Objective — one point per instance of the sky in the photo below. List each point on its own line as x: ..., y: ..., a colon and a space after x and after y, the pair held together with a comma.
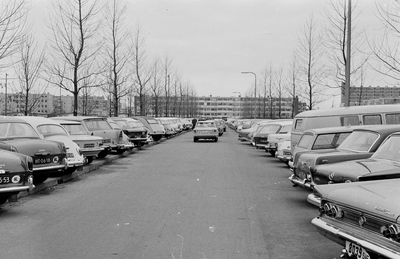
x: 211, y: 42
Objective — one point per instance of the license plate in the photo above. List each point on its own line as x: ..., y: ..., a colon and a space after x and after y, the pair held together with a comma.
x: 42, y: 160
x: 4, y: 180
x: 356, y: 250
x: 263, y: 141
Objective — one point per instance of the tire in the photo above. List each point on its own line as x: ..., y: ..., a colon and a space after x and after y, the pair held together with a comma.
x: 195, y: 139
x: 3, y: 199
x: 120, y: 151
x: 216, y: 139
x: 157, y: 137
x: 272, y: 153
x: 102, y: 154
x: 89, y: 159
x: 38, y: 179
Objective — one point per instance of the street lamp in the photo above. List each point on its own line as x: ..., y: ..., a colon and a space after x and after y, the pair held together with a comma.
x: 255, y: 88
x: 240, y: 110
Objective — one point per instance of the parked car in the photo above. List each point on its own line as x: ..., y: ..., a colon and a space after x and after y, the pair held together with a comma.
x: 383, y: 164
x: 220, y: 126
x: 49, y: 157
x: 99, y: 126
x: 170, y: 126
x: 319, y: 140
x: 52, y: 130
x: 362, y: 217
x: 15, y: 174
x: 128, y: 145
x: 248, y: 127
x: 134, y: 129
x: 361, y: 143
x: 272, y: 127
x: 205, y: 130
x: 90, y: 145
x: 276, y: 138
x: 154, y: 128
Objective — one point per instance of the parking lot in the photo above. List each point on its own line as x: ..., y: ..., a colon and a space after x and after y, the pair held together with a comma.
x: 173, y: 199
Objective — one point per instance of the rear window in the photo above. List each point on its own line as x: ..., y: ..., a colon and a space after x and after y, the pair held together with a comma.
x: 97, y: 125
x: 372, y: 119
x: 361, y: 141
x: 305, y: 141
x: 327, y: 141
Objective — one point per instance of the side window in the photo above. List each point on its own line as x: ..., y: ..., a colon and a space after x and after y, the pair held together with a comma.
x: 372, y: 119
x: 393, y: 118
x: 349, y: 120
x: 298, y: 124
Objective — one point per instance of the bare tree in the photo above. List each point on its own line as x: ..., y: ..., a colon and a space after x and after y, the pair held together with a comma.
x: 279, y: 87
x: 74, y: 28
x: 335, y: 41
x: 155, y: 86
x: 28, y: 70
x: 386, y: 50
x: 13, y: 14
x: 115, y: 47
x: 141, y: 73
x: 293, y: 84
x: 310, y: 56
x: 167, y: 84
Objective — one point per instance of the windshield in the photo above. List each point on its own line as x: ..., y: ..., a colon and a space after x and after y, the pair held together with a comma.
x: 75, y: 129
x: 270, y: 128
x: 360, y: 141
x: 51, y: 129
x: 389, y: 150
x: 17, y: 130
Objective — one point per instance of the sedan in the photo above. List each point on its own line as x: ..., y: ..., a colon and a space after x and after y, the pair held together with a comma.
x: 362, y: 217
x: 361, y: 143
x: 134, y: 129
x: 15, y: 174
x: 205, y: 130
x: 49, y: 157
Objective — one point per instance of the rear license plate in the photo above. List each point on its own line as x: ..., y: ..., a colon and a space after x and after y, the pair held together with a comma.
x: 46, y: 160
x: 4, y: 180
x: 356, y: 250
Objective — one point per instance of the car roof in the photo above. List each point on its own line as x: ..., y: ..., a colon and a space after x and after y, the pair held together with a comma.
x: 11, y: 119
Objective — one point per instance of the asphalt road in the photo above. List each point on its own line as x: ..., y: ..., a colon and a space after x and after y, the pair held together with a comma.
x: 177, y: 199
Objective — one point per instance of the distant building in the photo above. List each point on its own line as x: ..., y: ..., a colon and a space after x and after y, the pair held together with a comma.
x: 369, y: 95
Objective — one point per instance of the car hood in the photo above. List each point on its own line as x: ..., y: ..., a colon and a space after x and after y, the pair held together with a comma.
x: 31, y: 146
x: 353, y: 169
x: 373, y: 196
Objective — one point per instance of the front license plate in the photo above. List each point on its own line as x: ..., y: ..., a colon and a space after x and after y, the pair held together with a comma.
x: 356, y: 251
x: 42, y: 160
x: 4, y: 180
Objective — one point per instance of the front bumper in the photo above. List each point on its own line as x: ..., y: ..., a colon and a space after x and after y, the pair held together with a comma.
x: 372, y: 242
x: 284, y: 158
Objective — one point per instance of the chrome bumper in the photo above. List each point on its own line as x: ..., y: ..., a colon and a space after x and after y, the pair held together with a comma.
x: 301, y: 182
x: 314, y: 200
x: 340, y: 236
x: 28, y: 187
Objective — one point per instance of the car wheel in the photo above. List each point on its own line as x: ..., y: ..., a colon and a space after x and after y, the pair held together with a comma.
x: 38, y: 179
x: 89, y: 159
x: 156, y: 138
x: 120, y: 151
x: 216, y: 139
x: 102, y: 154
x: 272, y: 153
x: 194, y: 139
x: 3, y: 199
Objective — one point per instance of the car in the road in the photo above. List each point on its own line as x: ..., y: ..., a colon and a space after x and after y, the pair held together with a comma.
x: 154, y: 128
x: 53, y: 130
x: 361, y: 143
x: 99, y: 126
x: 15, y: 174
x: 272, y: 127
x: 90, y: 145
x: 205, y: 130
x: 49, y: 157
x: 134, y: 129
x: 383, y: 164
x: 362, y: 217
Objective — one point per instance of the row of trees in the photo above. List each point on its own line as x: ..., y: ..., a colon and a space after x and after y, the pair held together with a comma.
x: 317, y: 68
x: 90, y: 50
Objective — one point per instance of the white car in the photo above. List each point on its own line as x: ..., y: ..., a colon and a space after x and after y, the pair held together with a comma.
x: 205, y: 130
x: 52, y: 130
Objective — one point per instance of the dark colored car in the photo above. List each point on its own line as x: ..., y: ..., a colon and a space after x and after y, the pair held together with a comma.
x: 49, y: 157
x: 154, y: 128
x: 15, y: 174
x: 383, y: 164
x: 362, y: 217
x: 361, y: 143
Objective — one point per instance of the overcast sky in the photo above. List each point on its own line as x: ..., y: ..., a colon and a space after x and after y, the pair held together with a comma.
x: 211, y: 41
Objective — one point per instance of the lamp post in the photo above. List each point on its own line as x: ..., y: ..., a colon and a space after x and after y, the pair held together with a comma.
x: 255, y: 89
x: 240, y: 110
